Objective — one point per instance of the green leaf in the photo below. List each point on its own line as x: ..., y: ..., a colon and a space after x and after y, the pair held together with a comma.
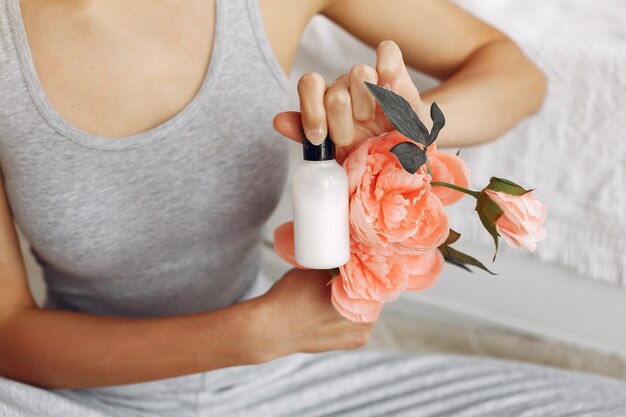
x: 457, y: 263
x: 439, y: 122
x: 506, y: 186
x: 453, y: 236
x: 411, y: 156
x: 458, y: 257
x: 489, y: 213
x: 400, y: 113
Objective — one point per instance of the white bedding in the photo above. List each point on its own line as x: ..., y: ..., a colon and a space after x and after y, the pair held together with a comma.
x: 574, y: 151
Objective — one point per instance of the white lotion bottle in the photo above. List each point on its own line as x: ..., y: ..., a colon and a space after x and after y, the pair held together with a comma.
x: 320, y: 208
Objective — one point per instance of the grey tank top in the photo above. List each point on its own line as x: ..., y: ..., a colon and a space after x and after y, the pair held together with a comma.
x: 168, y: 221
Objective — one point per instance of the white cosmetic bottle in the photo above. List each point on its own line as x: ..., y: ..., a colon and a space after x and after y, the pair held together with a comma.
x: 320, y: 208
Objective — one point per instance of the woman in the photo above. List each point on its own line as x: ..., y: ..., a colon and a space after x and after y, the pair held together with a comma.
x: 137, y: 157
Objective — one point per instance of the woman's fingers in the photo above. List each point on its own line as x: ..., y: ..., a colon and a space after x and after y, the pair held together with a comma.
x: 393, y: 74
x: 338, y: 105
x: 389, y: 64
x: 323, y: 108
x: 344, y: 106
x: 363, y: 103
x: 289, y: 124
x: 311, y: 89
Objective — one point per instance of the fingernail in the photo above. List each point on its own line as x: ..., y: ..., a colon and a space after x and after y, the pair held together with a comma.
x: 386, y: 85
x: 316, y: 136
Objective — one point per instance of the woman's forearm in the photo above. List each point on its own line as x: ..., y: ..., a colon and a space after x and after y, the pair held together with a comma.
x: 59, y: 349
x: 492, y: 91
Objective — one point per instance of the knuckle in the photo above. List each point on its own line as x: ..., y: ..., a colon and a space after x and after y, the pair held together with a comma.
x: 310, y: 80
x: 362, y: 71
x: 387, y: 69
x: 337, y: 100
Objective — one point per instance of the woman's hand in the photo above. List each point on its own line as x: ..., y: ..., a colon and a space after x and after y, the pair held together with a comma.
x: 296, y: 315
x: 345, y: 108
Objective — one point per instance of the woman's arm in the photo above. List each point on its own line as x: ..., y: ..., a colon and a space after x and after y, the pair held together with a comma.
x: 58, y: 349
x: 61, y: 349
x: 488, y: 85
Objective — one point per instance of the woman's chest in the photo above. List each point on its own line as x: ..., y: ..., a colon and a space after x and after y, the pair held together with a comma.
x: 210, y: 174
x: 212, y: 182
x: 118, y: 68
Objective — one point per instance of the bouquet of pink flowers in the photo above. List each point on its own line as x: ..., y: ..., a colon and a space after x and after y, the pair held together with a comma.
x: 400, y: 237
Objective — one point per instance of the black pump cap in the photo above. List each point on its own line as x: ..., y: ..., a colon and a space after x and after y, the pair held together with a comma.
x: 323, y: 152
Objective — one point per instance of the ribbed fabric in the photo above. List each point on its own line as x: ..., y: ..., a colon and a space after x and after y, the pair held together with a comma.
x: 168, y: 221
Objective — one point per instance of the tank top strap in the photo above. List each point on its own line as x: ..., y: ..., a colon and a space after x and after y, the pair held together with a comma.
x: 245, y: 38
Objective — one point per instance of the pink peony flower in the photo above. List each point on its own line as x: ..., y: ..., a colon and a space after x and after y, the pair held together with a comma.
x: 374, y: 273
x: 521, y: 224
x: 372, y: 276
x: 390, y: 207
x: 448, y: 168
x: 423, y: 270
x: 444, y: 167
x: 355, y: 309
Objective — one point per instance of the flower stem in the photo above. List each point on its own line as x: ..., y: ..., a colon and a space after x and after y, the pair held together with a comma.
x: 455, y: 187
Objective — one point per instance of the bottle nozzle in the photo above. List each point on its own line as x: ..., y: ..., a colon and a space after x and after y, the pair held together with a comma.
x: 323, y: 152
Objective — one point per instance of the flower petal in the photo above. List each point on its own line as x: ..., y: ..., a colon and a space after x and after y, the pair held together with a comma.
x: 358, y: 310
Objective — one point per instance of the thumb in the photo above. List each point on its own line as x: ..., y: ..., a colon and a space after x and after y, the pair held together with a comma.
x: 289, y: 124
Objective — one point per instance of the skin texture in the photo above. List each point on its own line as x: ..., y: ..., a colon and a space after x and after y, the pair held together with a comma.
x: 488, y: 85
x: 90, y: 73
